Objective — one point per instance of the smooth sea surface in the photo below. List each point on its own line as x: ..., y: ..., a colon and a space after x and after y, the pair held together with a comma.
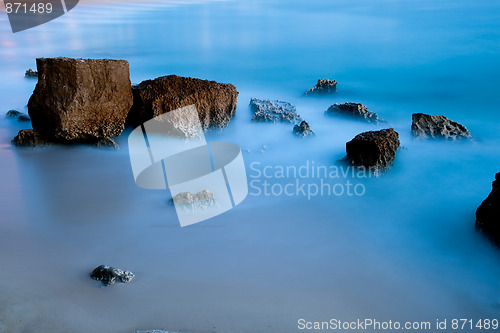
x: 404, y: 250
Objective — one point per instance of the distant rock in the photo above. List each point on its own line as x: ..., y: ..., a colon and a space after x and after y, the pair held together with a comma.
x: 375, y: 149
x: 215, y: 102
x: 273, y: 111
x: 31, y: 73
x: 488, y: 214
x: 31, y: 138
x: 190, y: 201
x: 14, y: 114
x: 324, y: 86
x: 109, y: 275
x: 303, y: 129
x: 80, y: 100
x: 426, y: 126
x: 353, y: 110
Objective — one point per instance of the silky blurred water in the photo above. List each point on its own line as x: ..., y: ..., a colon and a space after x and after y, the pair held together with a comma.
x: 405, y: 250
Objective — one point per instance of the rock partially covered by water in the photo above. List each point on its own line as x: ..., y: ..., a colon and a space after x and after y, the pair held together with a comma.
x: 190, y: 201
x: 375, y: 149
x: 440, y: 127
x: 273, y: 111
x: 353, y: 110
x: 14, y: 114
x: 80, y: 100
x: 324, y: 86
x: 30, y: 138
x: 31, y: 73
x: 215, y: 102
x: 109, y: 275
x: 488, y: 214
x: 303, y: 129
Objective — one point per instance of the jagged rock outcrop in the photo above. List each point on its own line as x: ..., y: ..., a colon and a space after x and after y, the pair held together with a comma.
x: 376, y: 149
x: 80, y: 100
x: 215, y: 102
x: 427, y: 126
x: 303, y: 129
x: 353, y: 110
x: 109, y: 275
x: 273, y: 111
x: 324, y: 86
x: 488, y: 214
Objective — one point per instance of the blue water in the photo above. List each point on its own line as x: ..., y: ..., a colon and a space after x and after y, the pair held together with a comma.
x: 404, y: 250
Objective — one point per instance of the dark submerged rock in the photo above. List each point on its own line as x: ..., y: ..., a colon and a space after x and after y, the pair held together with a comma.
x: 273, y: 111
x: 427, y: 126
x: 354, y: 110
x: 376, y: 149
x: 31, y: 73
x: 109, y: 275
x: 488, y: 213
x: 31, y: 138
x: 324, y: 86
x: 80, y: 100
x: 303, y: 129
x: 215, y: 102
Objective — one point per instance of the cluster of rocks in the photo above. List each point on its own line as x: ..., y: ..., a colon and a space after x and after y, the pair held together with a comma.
x: 109, y: 275
x: 91, y: 101
x: 353, y: 110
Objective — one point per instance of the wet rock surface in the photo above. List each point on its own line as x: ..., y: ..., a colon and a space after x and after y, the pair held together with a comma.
x: 353, y: 110
x: 488, y: 213
x: 109, y: 275
x: 265, y: 110
x: 80, y: 100
x: 376, y: 149
x: 440, y: 127
x: 193, y: 201
x: 303, y: 129
x: 215, y: 102
x: 323, y: 87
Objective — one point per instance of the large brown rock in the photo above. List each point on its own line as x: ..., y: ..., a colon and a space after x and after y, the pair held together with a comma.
x: 80, y: 100
x: 488, y: 214
x: 215, y: 102
x: 375, y: 149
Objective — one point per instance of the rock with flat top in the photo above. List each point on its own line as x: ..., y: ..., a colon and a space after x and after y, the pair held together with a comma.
x: 215, y: 102
x: 440, y: 127
x: 376, y: 149
x: 488, y: 214
x: 353, y: 110
x: 323, y: 87
x: 81, y: 100
x: 265, y: 110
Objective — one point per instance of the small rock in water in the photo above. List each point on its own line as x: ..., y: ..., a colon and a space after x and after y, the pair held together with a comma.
x: 303, y: 129
x: 273, y: 111
x: 108, y: 275
x: 30, y: 138
x: 190, y: 201
x: 488, y: 214
x: 13, y: 114
x: 425, y: 126
x: 354, y: 110
x: 31, y: 73
x: 324, y: 86
x: 375, y: 149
